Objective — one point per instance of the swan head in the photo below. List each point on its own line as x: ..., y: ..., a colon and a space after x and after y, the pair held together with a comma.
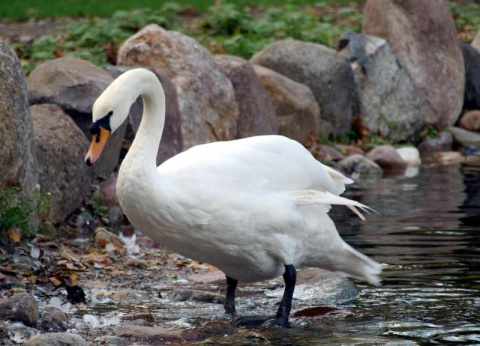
x: 109, y: 112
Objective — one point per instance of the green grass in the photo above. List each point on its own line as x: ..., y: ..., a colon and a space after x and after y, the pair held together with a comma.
x: 27, y: 9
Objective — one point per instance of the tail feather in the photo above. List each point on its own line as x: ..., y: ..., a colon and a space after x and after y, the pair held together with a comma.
x: 306, y: 197
x: 359, y: 266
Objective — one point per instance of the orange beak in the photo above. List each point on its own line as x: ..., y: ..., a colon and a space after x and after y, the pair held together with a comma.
x: 99, y: 141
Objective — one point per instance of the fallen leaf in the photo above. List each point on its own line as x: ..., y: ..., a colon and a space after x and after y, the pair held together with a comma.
x: 15, y: 234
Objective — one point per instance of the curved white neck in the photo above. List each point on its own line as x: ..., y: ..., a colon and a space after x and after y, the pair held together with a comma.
x: 143, y: 151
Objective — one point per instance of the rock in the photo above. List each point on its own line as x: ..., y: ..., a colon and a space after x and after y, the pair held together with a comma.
x: 443, y: 142
x: 422, y: 35
x: 103, y: 237
x: 470, y: 121
x: 60, y: 148
x: 387, y: 157
x: 53, y: 319
x: 476, y: 41
x: 138, y: 319
x: 410, y: 155
x: 158, y: 335
x: 449, y: 157
x: 297, y: 110
x: 17, y: 152
x: 206, y: 98
x: 389, y: 101
x: 172, y: 141
x: 256, y: 112
x: 465, y: 137
x: 361, y: 165
x: 326, y: 153
x: 18, y: 332
x: 21, y: 307
x: 107, y: 193
x: 56, y: 339
x: 327, y: 74
x: 74, y: 85
x: 115, y: 216
x: 471, y: 58
x: 349, y: 149
x: 182, y: 295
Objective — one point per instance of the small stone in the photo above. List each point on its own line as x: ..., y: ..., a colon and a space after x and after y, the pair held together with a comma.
x: 103, y: 237
x: 53, y: 319
x: 470, y: 121
x: 107, y: 195
x: 387, y: 157
x: 359, y: 164
x: 115, y: 216
x: 410, y: 155
x: 465, y: 137
x: 56, y: 339
x: 437, y: 144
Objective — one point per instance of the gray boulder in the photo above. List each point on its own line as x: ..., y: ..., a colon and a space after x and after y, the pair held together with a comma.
x: 172, y: 141
x: 327, y: 74
x: 206, y: 98
x: 256, y: 112
x: 471, y: 58
x: 476, y: 41
x: 297, y: 110
x: 74, y: 85
x: 422, y: 35
x: 389, y: 102
x: 17, y: 160
x: 60, y: 148
x: 21, y: 307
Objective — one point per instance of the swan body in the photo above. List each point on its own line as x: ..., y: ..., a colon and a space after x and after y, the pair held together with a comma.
x: 255, y: 208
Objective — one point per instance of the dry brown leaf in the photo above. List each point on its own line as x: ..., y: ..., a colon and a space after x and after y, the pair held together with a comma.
x: 55, y: 281
x: 15, y: 234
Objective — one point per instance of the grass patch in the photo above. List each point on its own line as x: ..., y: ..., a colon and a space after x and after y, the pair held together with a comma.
x: 29, y: 9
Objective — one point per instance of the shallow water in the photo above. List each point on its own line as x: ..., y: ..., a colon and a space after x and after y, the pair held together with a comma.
x: 428, y: 234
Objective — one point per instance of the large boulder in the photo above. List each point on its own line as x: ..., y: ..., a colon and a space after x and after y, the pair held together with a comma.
x: 206, y: 98
x: 256, y: 112
x: 297, y: 110
x: 476, y: 41
x: 422, y: 35
x: 388, y: 100
x: 327, y: 74
x: 60, y: 148
x: 172, y: 142
x: 74, y: 85
x: 471, y: 58
x: 17, y: 149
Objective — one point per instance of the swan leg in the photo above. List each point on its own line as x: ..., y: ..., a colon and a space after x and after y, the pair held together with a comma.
x: 290, y: 278
x: 230, y: 298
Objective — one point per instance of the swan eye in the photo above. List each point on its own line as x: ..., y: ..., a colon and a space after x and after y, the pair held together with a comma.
x: 103, y: 122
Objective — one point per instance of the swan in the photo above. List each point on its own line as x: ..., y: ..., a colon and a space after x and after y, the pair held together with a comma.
x: 256, y: 208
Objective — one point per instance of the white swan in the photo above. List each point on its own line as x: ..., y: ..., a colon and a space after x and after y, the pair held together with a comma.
x: 255, y: 208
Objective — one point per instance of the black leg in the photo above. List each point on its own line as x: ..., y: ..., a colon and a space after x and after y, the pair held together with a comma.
x: 290, y: 278
x: 230, y: 298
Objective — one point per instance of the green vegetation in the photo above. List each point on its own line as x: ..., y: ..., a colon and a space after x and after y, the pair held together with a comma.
x: 16, y: 209
x: 28, y: 9
x: 226, y: 27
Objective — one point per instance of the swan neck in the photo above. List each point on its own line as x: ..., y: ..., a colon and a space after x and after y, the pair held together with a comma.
x: 145, y: 146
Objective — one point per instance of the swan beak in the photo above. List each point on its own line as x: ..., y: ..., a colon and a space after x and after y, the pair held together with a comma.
x: 98, y: 144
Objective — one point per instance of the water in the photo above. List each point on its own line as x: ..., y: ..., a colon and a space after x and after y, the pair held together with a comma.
x: 428, y: 234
